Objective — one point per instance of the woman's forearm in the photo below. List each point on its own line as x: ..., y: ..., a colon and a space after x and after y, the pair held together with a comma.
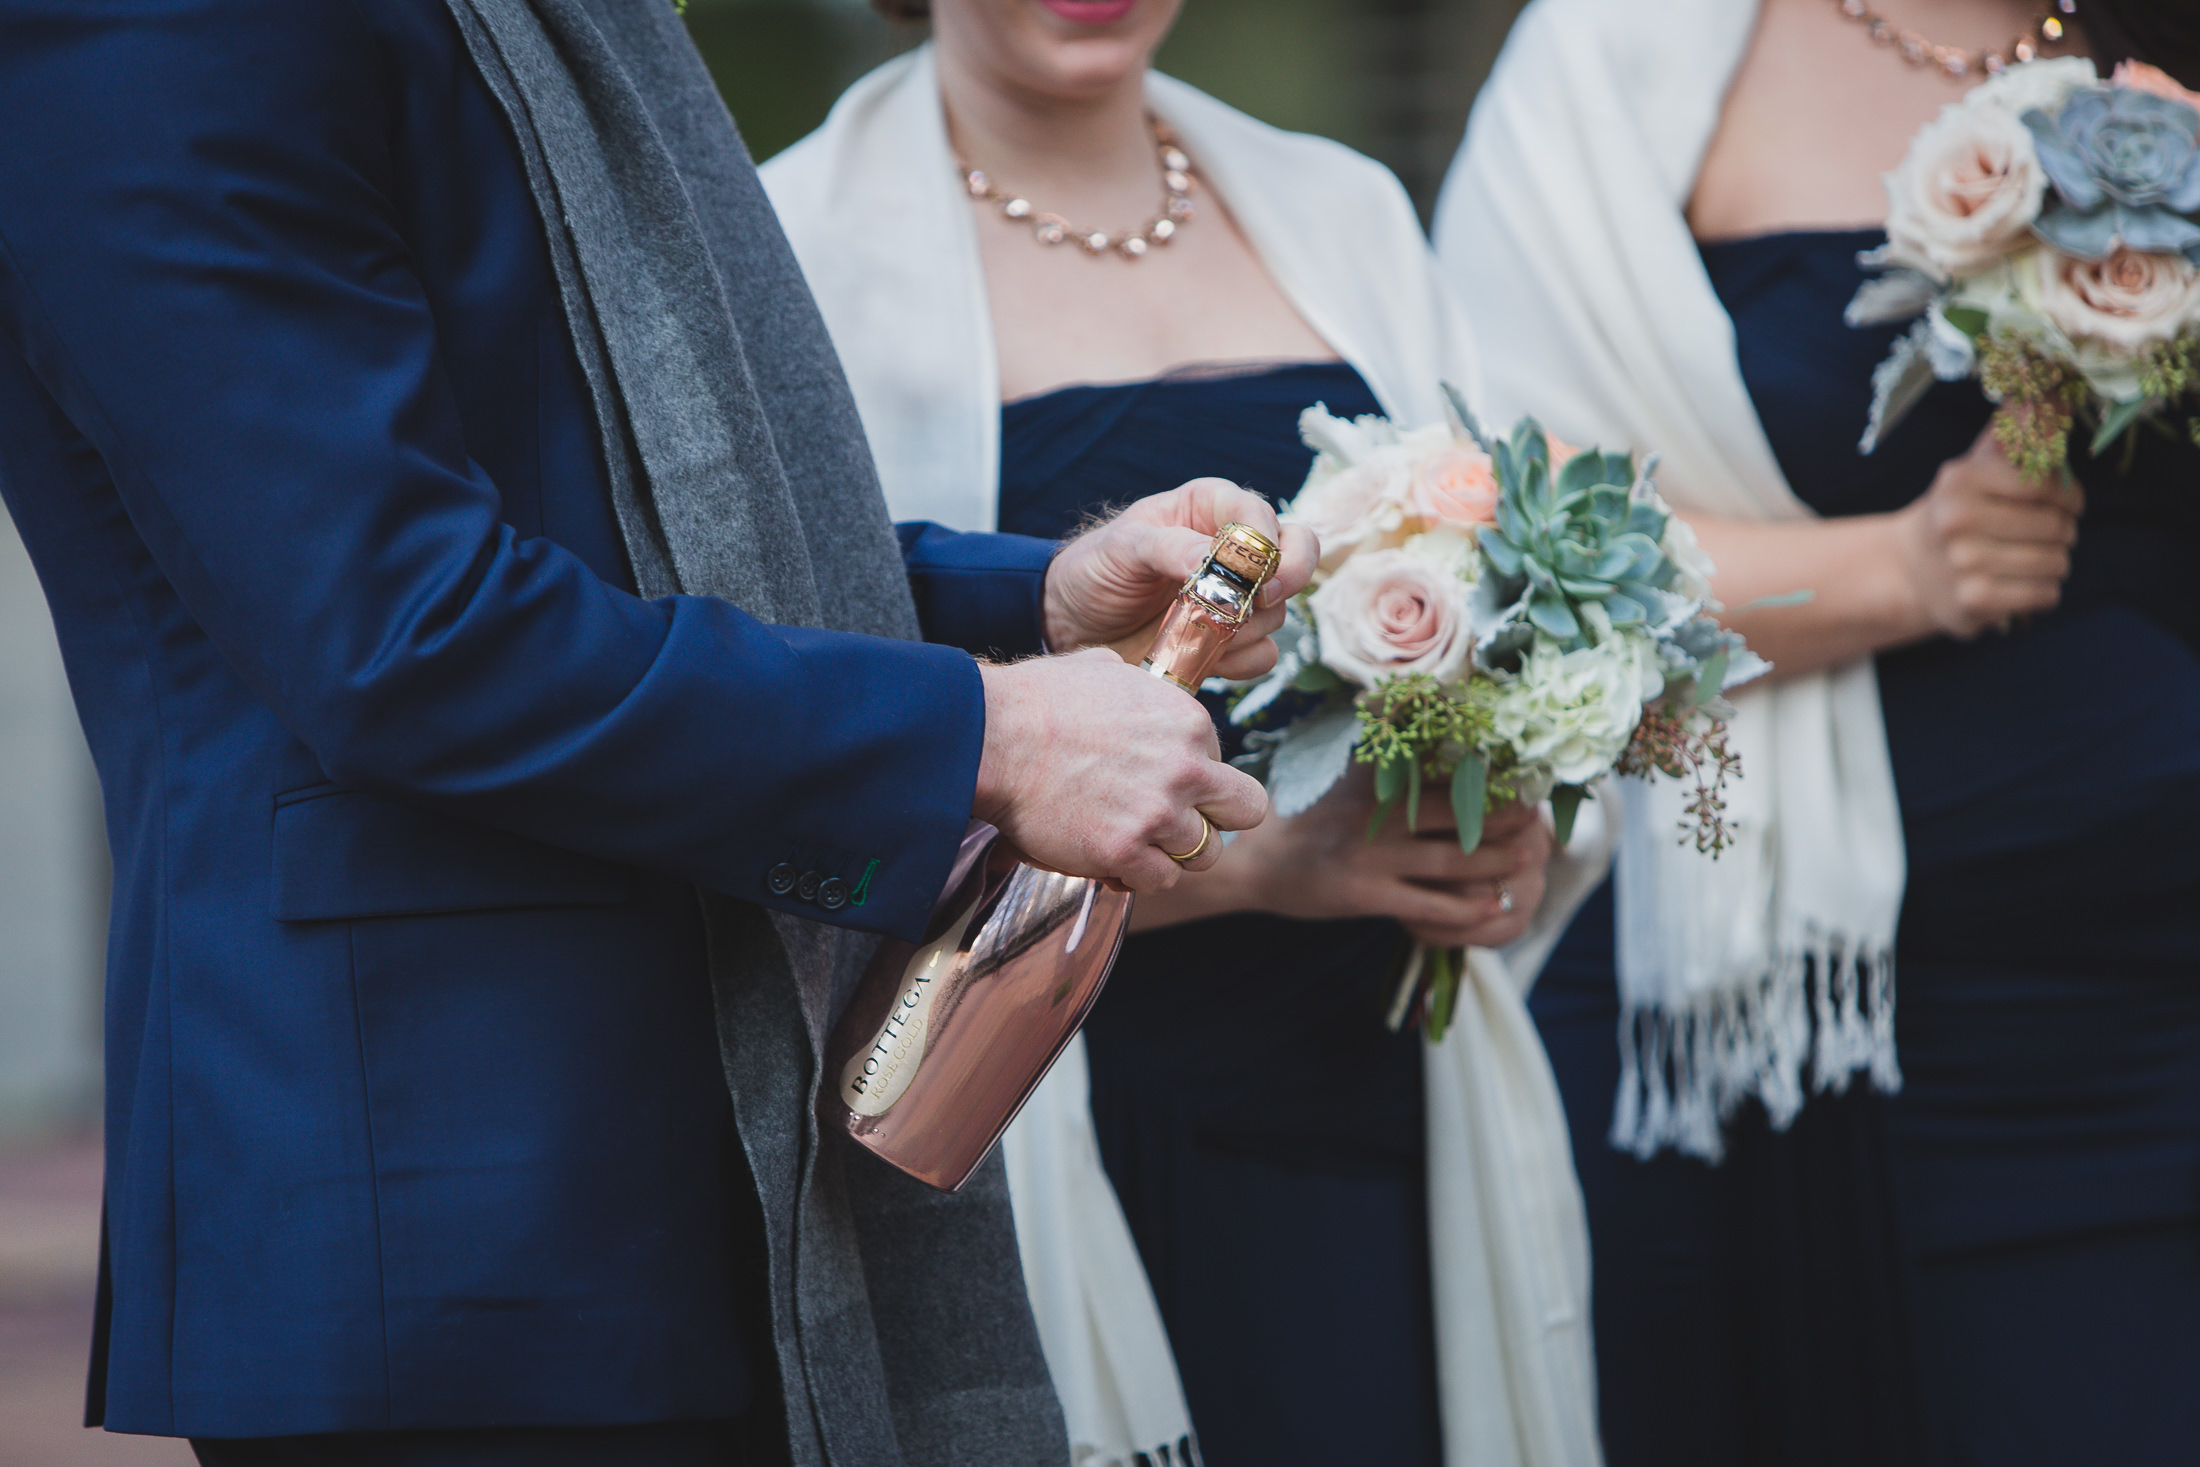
x: 1220, y: 889
x: 1862, y: 596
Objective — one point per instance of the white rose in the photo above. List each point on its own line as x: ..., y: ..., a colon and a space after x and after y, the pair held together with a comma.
x: 1450, y: 546
x: 1965, y: 194
x: 1389, y: 612
x: 2042, y: 84
x: 1353, y: 508
x: 1573, y: 712
x: 2122, y: 305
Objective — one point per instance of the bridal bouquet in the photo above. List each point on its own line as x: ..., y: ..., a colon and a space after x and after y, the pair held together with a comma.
x: 2044, y: 233
x: 1511, y: 618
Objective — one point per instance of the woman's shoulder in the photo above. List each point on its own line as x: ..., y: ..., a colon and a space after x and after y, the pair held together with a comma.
x: 1227, y: 139
x: 879, y: 117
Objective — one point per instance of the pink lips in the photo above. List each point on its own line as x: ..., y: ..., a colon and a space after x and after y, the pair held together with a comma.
x: 1091, y: 12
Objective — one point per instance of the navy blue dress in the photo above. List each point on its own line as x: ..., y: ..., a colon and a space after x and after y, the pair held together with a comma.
x: 2000, y: 1265
x: 1262, y: 1127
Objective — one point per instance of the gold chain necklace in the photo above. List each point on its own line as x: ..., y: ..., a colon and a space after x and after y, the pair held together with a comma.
x: 1131, y: 244
x: 1954, y: 60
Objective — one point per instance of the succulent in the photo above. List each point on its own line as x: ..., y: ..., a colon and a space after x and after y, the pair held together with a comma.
x: 1580, y: 536
x: 2126, y: 169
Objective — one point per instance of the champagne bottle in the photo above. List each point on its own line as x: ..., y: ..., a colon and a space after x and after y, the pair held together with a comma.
x: 946, y: 1038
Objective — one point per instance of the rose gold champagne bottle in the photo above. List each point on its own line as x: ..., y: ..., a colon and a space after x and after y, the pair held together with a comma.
x: 946, y: 1039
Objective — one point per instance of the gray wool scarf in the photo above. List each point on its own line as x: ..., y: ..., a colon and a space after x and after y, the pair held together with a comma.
x: 738, y: 469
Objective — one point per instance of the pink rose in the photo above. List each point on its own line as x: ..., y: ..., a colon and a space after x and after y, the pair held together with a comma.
x: 1387, y: 612
x: 1966, y: 194
x: 2141, y: 77
x: 2128, y: 302
x: 1453, y: 485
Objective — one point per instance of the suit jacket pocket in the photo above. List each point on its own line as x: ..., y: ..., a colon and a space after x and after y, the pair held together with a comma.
x: 342, y: 854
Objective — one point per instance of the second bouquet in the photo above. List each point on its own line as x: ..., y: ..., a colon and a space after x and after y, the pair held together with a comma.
x: 1494, y: 620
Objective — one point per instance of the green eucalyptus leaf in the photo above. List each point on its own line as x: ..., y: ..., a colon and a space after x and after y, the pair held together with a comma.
x: 2116, y: 422
x: 1565, y: 805
x: 1712, y: 676
x: 1316, y: 678
x: 1390, y: 779
x: 1413, y: 795
x: 1443, y: 991
x: 1969, y: 320
x: 1382, y: 813
x: 1470, y: 791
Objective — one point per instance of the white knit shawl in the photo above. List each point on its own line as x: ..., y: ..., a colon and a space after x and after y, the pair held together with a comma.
x: 873, y: 204
x: 1562, y: 227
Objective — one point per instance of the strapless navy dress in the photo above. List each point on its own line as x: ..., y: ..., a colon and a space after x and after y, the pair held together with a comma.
x: 1261, y: 1126
x: 2000, y: 1265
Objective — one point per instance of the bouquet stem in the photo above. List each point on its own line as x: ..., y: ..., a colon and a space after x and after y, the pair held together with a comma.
x: 1428, y: 990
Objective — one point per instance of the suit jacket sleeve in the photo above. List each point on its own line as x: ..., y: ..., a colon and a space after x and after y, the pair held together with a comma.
x: 984, y: 593
x: 202, y: 259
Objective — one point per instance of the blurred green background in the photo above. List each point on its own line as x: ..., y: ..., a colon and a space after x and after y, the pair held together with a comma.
x: 1392, y: 78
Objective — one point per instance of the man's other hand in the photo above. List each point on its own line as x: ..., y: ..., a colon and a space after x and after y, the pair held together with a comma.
x: 1093, y: 767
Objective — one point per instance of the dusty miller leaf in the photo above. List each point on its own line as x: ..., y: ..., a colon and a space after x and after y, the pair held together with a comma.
x: 1897, y: 383
x: 1312, y: 759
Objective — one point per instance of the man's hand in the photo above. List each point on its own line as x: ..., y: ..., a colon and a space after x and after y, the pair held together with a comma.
x: 1095, y: 768
x: 1110, y: 585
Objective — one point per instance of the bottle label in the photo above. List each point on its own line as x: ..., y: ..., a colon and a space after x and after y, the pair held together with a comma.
x: 880, y: 1074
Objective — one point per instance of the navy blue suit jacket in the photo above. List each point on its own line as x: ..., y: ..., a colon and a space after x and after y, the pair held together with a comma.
x: 414, y: 1113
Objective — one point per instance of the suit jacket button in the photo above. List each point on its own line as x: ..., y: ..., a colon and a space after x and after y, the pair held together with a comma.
x: 806, y: 888
x: 832, y: 894
x: 780, y: 879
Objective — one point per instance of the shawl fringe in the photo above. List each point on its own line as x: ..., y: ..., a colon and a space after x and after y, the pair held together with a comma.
x: 1824, y: 1015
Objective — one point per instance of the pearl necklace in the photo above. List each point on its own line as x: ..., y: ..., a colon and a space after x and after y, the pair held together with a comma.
x: 1131, y: 244
x: 1954, y: 60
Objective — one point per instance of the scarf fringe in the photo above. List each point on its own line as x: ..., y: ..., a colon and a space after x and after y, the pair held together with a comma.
x: 1824, y: 1015
x: 1183, y: 1452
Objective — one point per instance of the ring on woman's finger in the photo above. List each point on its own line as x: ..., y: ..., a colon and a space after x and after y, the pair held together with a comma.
x: 1206, y: 834
x: 1504, y: 899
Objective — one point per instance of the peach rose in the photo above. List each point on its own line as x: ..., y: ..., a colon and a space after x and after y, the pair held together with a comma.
x: 2128, y: 302
x: 1388, y: 612
x: 1454, y: 485
x: 1966, y: 194
x: 2141, y: 77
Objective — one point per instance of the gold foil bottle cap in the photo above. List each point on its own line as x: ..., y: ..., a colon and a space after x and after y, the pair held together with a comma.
x: 1246, y: 552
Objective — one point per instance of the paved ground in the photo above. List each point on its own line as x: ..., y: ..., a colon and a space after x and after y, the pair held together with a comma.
x: 49, y: 1242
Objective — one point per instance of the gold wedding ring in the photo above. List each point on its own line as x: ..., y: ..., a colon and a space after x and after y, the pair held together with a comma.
x: 1206, y: 834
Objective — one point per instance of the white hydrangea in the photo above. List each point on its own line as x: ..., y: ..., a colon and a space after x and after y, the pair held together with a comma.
x: 1573, y: 712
